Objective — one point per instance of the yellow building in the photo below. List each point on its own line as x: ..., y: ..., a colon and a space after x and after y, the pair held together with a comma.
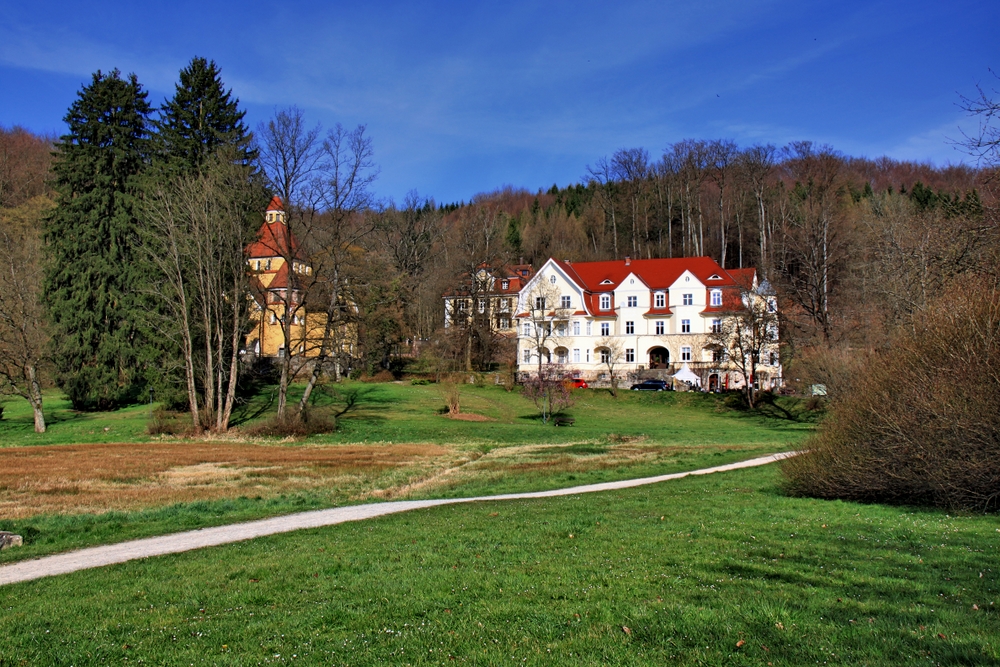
x: 282, y: 275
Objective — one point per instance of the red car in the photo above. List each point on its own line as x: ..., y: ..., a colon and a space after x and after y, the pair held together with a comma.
x: 579, y: 383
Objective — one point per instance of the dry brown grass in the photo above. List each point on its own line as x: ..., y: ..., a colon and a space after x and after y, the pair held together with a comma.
x: 100, y: 477
x: 469, y: 417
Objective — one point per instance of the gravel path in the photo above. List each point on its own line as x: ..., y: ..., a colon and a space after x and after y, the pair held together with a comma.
x: 209, y: 537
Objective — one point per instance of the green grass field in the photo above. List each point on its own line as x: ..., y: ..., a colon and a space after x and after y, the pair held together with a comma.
x: 397, y: 412
x: 636, y: 435
x: 718, y: 570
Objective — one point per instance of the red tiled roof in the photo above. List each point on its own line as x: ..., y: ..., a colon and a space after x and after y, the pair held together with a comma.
x: 657, y: 274
x: 274, y: 239
x: 276, y: 204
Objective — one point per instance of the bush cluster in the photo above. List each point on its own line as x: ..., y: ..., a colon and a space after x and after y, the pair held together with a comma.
x: 312, y: 422
x: 920, y: 422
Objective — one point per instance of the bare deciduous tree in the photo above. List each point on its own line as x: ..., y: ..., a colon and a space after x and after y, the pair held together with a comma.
x: 22, y: 323
x: 347, y: 172
x: 197, y: 229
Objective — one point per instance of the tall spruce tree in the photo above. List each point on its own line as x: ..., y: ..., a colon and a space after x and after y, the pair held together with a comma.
x: 201, y: 117
x: 90, y: 237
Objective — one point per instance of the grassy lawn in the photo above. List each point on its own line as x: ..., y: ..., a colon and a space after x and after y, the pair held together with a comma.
x: 397, y: 412
x: 61, y: 495
x: 710, y: 570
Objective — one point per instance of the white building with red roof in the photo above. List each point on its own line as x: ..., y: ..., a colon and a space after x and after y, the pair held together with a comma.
x: 655, y: 316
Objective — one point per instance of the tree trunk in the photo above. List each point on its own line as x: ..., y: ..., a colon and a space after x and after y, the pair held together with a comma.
x: 35, y: 398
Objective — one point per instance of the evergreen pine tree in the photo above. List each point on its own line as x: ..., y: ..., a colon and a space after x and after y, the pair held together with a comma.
x: 201, y: 117
x: 90, y: 240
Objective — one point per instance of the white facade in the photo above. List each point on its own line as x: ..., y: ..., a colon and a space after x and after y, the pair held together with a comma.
x: 648, y: 314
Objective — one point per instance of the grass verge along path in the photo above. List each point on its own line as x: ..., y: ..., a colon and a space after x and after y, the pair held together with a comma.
x: 706, y: 570
x: 210, y: 537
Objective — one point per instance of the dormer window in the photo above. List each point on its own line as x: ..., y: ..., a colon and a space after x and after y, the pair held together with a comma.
x: 716, y: 297
x: 715, y: 276
x: 605, y: 302
x: 659, y: 300
x: 267, y: 267
x: 607, y: 281
x: 504, y: 284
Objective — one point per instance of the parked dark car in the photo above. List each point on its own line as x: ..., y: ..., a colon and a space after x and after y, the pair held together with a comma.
x: 651, y: 385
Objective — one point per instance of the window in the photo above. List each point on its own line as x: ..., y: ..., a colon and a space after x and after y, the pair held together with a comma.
x: 605, y: 355
x: 605, y: 328
x: 561, y: 329
x: 685, y: 353
x: 539, y: 303
x: 716, y: 297
x: 527, y: 328
x: 281, y: 351
x: 633, y: 301
x: 552, y: 280
x: 561, y: 355
x: 576, y: 329
x: 659, y: 327
x: 772, y: 305
x: 527, y: 356
x: 588, y: 328
x: 605, y: 302
x: 718, y: 355
x: 716, y: 326
x: 267, y: 267
x: 461, y: 305
x: 688, y: 299
x: 505, y: 305
x: 274, y: 318
x: 258, y: 265
x: 630, y: 327
x: 482, y: 305
x: 660, y: 300
x: 504, y: 284
x: 503, y: 323
x: 685, y: 326
x: 576, y: 354
x: 629, y: 355
x: 565, y: 302
x: 588, y: 355
x: 774, y: 358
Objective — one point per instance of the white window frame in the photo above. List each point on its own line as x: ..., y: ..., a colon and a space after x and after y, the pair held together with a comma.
x: 630, y: 328
x: 605, y: 302
x: 576, y: 355
x: 687, y: 299
x: 589, y: 323
x: 576, y: 328
x: 686, y: 353
x: 566, y: 302
x: 605, y: 328
x: 660, y: 300
x: 685, y: 326
x: 632, y: 301
x: 629, y: 355
x: 717, y: 325
x: 527, y: 356
x: 660, y: 328
x: 716, y: 297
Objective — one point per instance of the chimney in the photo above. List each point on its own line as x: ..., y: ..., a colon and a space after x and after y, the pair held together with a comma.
x: 628, y: 260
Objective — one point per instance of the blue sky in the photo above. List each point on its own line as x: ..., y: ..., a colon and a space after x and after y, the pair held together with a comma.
x: 462, y: 98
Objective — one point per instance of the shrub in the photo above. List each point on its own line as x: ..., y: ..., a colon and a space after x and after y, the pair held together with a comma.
x: 312, y: 422
x: 919, y: 424
x: 165, y: 422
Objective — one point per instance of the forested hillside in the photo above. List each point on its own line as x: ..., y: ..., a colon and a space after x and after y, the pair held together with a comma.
x: 854, y: 247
